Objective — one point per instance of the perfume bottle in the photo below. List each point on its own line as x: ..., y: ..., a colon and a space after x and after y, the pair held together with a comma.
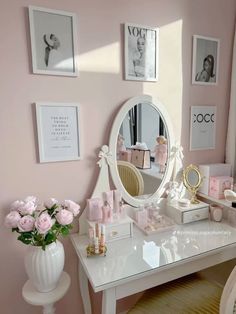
x: 106, y: 213
x: 141, y: 217
x: 122, y: 211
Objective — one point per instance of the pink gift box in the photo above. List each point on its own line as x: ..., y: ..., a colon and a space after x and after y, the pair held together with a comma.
x: 218, y: 185
x: 125, y: 155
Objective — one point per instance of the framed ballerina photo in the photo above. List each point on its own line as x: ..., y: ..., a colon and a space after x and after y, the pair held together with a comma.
x: 53, y: 41
x: 141, y: 52
x: 205, y: 66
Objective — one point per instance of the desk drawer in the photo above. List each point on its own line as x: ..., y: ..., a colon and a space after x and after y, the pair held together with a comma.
x: 119, y: 229
x: 194, y: 215
x: 193, y: 212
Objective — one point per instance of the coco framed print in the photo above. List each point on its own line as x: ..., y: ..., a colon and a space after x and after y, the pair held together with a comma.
x: 203, y: 127
x: 53, y: 41
x: 58, y: 131
x: 205, y: 66
x: 141, y: 52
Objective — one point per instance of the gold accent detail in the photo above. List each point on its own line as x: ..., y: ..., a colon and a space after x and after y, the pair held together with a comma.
x: 192, y: 180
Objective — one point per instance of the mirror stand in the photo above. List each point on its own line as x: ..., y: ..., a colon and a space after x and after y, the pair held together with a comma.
x: 192, y: 180
x: 103, y: 181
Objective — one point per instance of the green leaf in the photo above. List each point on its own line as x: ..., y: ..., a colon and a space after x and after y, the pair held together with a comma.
x: 27, y: 235
x: 50, y: 237
x: 24, y: 240
x: 65, y: 230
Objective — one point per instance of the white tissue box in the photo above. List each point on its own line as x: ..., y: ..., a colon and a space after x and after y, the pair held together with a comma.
x: 212, y: 170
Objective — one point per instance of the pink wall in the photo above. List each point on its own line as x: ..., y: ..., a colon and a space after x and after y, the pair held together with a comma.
x: 100, y: 94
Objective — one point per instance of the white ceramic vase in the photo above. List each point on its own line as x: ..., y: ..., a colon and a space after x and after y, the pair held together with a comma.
x: 44, y: 268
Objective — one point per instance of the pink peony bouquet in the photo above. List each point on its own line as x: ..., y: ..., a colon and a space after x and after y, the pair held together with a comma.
x: 41, y: 225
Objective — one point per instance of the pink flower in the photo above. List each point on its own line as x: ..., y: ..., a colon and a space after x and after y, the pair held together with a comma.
x: 30, y: 199
x: 72, y: 207
x: 43, y: 223
x: 16, y: 205
x: 64, y: 217
x: 12, y: 219
x: 50, y: 202
x: 26, y: 223
x: 27, y: 208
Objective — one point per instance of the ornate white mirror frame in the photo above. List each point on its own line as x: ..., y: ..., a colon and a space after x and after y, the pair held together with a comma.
x: 143, y: 99
x: 107, y: 158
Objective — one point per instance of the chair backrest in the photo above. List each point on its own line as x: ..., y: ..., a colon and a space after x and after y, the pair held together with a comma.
x: 227, y: 301
x: 131, y: 178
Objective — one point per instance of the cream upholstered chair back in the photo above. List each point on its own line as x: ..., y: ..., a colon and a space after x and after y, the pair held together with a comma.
x: 131, y: 178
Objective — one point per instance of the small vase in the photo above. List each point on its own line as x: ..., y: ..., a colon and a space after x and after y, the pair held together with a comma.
x: 44, y: 268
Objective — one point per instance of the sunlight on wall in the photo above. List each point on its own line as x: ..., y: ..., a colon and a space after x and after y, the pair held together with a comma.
x: 169, y: 87
x: 105, y: 59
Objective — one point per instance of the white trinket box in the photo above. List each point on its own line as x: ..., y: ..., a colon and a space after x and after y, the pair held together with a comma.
x: 190, y: 213
x: 118, y: 229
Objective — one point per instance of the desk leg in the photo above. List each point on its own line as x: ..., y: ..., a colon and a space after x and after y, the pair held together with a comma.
x: 109, y: 301
x: 84, y: 289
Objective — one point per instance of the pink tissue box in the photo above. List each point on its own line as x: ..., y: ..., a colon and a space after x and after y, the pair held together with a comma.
x: 218, y: 185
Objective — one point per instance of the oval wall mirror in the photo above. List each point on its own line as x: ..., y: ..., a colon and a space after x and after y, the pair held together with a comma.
x: 140, y: 142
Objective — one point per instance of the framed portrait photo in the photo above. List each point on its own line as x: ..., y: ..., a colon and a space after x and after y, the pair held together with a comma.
x: 205, y: 63
x: 141, y: 52
x: 203, y: 127
x: 53, y: 41
x: 58, y: 131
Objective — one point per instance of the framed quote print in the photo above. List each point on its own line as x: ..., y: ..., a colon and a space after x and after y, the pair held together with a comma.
x: 203, y: 127
x: 141, y: 52
x: 53, y: 41
x: 58, y: 130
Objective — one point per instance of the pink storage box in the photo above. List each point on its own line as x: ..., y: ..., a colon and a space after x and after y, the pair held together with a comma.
x: 212, y: 170
x: 218, y: 185
x: 125, y: 155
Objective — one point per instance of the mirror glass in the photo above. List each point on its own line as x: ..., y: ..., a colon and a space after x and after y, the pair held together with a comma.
x: 193, y: 177
x: 140, y: 143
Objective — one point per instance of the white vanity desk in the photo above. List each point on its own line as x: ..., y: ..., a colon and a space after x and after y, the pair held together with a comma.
x: 135, y: 264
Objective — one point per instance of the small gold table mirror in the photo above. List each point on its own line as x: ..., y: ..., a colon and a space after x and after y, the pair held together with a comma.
x: 192, y: 180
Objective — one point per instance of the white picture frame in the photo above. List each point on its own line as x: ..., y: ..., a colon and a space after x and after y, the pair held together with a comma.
x: 53, y: 35
x: 202, y: 127
x: 141, y: 52
x: 58, y: 129
x: 205, y: 62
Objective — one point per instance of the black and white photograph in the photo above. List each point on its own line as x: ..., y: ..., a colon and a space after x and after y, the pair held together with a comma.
x: 53, y: 41
x: 141, y: 52
x: 203, y: 127
x: 205, y: 66
x: 58, y: 126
